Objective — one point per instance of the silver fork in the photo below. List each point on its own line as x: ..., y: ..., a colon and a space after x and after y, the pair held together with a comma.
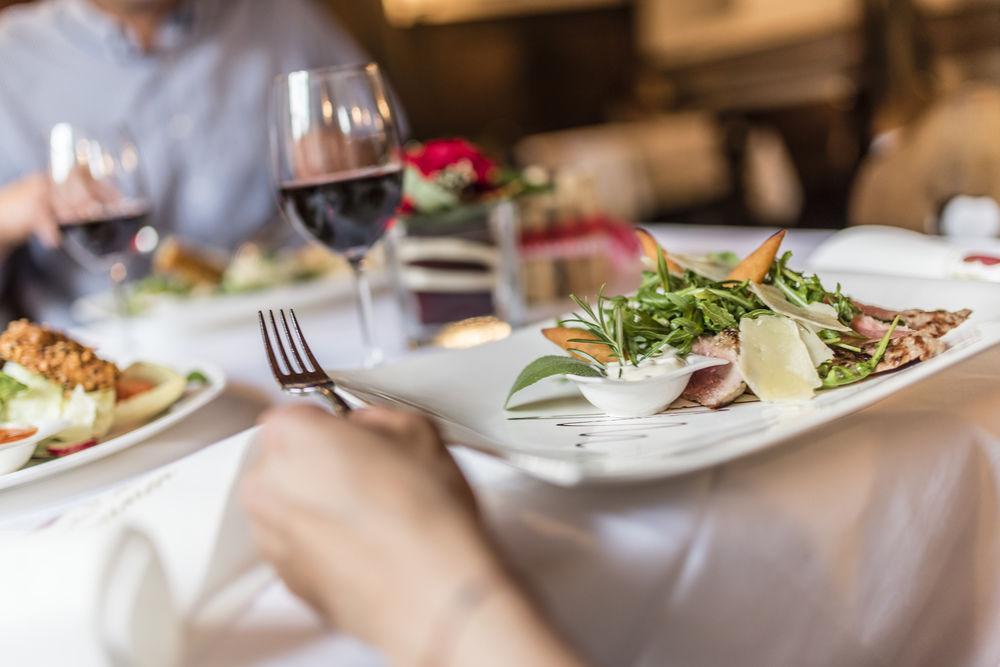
x: 303, y: 378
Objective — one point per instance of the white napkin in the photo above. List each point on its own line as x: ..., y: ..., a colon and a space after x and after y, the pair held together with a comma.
x: 102, y: 598
x: 900, y: 252
x: 143, y: 574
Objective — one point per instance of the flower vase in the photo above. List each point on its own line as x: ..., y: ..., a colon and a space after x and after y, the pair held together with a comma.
x: 455, y: 266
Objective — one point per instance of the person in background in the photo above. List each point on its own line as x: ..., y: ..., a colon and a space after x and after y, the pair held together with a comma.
x: 190, y: 79
x: 936, y: 138
x: 370, y: 521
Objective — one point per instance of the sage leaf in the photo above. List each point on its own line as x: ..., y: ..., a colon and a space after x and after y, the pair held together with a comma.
x: 547, y: 366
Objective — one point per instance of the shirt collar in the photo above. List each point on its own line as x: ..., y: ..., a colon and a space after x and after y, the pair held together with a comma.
x: 111, y: 36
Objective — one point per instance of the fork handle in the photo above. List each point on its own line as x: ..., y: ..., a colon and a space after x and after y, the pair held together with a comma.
x: 339, y: 405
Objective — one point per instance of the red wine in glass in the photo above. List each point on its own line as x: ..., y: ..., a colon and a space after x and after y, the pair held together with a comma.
x: 109, y: 237
x: 347, y: 214
x: 336, y: 160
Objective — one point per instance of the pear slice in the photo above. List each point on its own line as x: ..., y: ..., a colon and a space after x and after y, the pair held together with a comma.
x: 651, y: 250
x: 755, y: 266
x: 562, y: 336
x: 165, y: 388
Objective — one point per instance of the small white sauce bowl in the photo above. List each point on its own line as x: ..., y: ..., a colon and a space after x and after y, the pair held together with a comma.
x: 14, y: 455
x: 642, y: 398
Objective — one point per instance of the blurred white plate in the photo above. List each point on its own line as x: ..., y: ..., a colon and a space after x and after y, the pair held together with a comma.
x: 554, y: 434
x: 912, y: 254
x: 195, y: 399
x: 206, y: 312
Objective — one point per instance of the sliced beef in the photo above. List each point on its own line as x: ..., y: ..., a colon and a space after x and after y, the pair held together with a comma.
x: 909, y: 348
x: 877, y: 312
x: 718, y: 386
x: 873, y: 329
x: 934, y: 323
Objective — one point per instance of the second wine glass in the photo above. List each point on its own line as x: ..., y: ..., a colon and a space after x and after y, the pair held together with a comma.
x: 99, y: 197
x: 338, y: 167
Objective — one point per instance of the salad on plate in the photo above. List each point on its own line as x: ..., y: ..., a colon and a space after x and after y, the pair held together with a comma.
x: 58, y: 397
x: 713, y: 330
x: 182, y: 271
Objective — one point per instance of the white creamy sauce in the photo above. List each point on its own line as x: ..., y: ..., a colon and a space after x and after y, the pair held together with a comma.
x: 646, y: 370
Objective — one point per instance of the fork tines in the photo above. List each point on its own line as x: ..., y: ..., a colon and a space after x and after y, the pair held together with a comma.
x: 293, y: 345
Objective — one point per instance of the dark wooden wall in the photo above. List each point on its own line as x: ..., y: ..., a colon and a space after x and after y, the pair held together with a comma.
x: 499, y: 80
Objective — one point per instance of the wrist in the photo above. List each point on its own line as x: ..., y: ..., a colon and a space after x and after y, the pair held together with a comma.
x: 503, y: 628
x: 448, y: 577
x: 456, y: 613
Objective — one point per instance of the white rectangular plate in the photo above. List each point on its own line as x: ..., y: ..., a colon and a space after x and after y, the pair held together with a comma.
x: 116, y: 441
x: 553, y: 433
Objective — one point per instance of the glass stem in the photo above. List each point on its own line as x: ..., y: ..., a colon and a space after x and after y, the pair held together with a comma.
x: 363, y: 297
x: 118, y: 275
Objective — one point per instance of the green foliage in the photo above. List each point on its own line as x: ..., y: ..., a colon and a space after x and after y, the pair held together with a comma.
x: 837, y: 375
x: 672, y: 311
x: 802, y: 290
x: 547, y: 366
x: 9, y: 387
x: 197, y: 377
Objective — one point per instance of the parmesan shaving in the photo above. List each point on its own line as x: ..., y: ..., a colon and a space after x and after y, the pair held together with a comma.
x: 814, y: 316
x: 702, y: 265
x: 774, y: 361
x: 819, y: 351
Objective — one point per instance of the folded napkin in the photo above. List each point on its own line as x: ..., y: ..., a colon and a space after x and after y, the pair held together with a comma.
x: 900, y: 252
x: 143, y: 574
x: 99, y: 598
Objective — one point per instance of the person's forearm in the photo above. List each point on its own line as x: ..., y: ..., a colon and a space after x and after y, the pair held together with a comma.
x: 504, y: 629
x: 473, y: 612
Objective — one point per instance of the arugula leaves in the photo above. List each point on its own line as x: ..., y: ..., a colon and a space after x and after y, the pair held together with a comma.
x: 673, y: 310
x: 838, y: 375
x: 802, y: 290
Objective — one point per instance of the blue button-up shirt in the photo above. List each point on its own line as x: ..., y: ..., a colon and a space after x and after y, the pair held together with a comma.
x: 196, y: 104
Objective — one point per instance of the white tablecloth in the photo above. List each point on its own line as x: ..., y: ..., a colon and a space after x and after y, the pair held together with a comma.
x: 874, y: 542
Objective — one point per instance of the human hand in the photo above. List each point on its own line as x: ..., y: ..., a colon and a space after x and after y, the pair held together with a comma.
x: 369, y: 520
x: 25, y: 209
x: 33, y: 205
x: 78, y: 196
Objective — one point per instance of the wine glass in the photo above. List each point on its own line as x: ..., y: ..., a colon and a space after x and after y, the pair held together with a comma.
x: 338, y: 167
x: 100, y: 201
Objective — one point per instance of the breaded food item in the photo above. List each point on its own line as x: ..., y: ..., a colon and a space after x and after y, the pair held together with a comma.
x: 186, y: 264
x: 56, y: 357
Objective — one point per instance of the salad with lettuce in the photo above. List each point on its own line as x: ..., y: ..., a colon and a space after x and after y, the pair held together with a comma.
x: 48, y: 378
x: 783, y: 334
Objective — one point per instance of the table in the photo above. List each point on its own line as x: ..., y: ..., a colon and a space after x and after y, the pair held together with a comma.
x: 875, y: 542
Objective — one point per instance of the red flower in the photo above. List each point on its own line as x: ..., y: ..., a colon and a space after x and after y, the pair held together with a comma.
x: 434, y: 156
